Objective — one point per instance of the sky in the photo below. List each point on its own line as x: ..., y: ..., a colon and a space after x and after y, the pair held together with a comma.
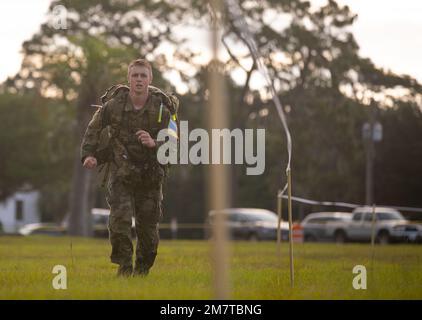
x: 19, y: 20
x: 388, y: 32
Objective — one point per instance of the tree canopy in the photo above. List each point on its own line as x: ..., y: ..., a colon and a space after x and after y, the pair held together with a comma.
x: 325, y: 85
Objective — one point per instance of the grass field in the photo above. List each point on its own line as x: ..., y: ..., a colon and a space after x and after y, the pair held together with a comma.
x: 183, y: 271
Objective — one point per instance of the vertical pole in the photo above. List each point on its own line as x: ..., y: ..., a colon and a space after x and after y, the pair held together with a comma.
x: 370, y: 157
x: 279, y: 210
x: 173, y: 228
x: 289, y: 188
x: 373, y: 236
x: 373, y: 226
x: 71, y: 251
x: 219, y: 175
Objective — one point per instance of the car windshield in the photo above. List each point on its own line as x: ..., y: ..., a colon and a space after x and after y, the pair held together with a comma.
x: 357, y: 216
x: 389, y: 216
x: 248, y: 216
x: 384, y: 216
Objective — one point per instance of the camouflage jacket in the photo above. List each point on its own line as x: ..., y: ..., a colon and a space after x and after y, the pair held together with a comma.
x: 113, y: 128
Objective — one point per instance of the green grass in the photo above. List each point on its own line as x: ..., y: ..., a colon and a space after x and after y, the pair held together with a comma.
x: 183, y: 270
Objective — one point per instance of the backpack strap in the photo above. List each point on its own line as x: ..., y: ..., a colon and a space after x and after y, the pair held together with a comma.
x: 115, y: 134
x: 169, y: 100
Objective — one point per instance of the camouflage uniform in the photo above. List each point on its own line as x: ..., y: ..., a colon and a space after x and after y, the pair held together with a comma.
x: 134, y: 186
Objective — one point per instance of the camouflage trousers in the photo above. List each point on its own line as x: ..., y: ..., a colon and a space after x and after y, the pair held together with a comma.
x: 127, y: 201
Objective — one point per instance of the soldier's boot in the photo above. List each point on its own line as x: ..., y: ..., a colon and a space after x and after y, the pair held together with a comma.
x: 125, y: 271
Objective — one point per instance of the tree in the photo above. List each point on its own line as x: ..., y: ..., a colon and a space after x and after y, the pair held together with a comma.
x: 324, y: 84
x: 22, y: 142
x: 312, y: 58
x: 78, y: 63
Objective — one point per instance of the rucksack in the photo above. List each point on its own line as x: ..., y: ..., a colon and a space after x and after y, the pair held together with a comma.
x: 104, y: 153
x: 168, y: 99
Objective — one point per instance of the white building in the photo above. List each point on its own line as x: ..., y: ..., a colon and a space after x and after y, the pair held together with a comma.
x: 18, y: 210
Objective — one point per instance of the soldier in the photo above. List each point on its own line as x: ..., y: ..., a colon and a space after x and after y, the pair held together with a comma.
x: 133, y: 116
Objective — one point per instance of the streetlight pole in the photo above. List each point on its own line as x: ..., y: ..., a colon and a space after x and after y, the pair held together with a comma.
x: 370, y: 155
x: 371, y: 133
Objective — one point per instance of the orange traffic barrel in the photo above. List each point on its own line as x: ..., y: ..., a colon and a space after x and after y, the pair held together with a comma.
x: 297, y: 232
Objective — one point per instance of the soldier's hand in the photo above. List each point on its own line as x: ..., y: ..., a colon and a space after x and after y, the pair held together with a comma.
x: 90, y: 162
x: 145, y: 138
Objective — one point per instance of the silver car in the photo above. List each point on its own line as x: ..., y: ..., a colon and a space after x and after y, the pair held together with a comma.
x: 251, y: 224
x: 317, y: 226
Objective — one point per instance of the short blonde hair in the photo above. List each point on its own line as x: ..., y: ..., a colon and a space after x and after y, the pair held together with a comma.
x: 141, y: 63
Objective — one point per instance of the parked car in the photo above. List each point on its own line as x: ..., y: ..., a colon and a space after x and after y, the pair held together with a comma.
x: 50, y: 229
x: 99, y: 220
x: 317, y: 226
x: 389, y: 226
x: 251, y: 224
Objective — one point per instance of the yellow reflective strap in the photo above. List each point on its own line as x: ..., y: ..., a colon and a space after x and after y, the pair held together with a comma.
x: 174, y: 117
x: 160, y: 114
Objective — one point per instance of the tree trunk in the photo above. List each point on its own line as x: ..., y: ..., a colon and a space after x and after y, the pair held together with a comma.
x: 82, y: 192
x: 81, y: 201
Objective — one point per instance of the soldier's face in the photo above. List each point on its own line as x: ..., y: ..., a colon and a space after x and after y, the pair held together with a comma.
x: 139, y: 79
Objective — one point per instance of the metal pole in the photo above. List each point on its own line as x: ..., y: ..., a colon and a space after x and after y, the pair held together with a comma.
x: 370, y: 157
x: 289, y: 188
x: 219, y: 175
x: 373, y: 237
x: 279, y: 211
x: 373, y: 226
